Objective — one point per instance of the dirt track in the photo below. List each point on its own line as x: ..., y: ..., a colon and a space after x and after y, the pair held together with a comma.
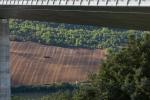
x: 35, y: 64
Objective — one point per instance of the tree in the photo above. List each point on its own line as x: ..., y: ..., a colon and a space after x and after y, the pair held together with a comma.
x: 125, y: 75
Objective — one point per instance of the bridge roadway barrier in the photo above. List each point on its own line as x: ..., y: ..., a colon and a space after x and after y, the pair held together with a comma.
x: 77, y: 2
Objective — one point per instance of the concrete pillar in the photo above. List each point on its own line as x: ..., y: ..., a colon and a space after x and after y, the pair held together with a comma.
x: 4, y: 61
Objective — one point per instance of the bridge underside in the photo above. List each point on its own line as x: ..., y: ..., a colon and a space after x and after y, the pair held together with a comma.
x: 121, y: 17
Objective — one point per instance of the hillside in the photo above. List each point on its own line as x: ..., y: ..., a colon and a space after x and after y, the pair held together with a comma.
x: 36, y: 64
x: 69, y: 35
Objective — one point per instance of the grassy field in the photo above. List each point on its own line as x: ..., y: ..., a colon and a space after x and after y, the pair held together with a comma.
x: 30, y: 96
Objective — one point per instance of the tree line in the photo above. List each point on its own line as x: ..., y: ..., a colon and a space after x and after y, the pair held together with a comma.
x: 67, y: 35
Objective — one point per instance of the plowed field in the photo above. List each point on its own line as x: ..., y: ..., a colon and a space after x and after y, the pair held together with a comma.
x: 36, y: 64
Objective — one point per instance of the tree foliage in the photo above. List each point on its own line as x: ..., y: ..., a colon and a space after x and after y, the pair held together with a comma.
x: 125, y: 75
x: 67, y: 35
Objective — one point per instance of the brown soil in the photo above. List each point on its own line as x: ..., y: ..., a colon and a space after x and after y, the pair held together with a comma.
x: 36, y: 64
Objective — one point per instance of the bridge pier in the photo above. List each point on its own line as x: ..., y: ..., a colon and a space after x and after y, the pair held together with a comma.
x: 5, y: 93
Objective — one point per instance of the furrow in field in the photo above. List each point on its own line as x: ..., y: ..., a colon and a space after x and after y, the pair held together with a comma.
x: 36, y: 64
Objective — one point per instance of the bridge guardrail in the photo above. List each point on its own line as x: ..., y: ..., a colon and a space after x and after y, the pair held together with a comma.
x: 77, y: 2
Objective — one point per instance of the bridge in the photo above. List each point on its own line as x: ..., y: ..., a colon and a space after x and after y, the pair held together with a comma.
x: 132, y: 14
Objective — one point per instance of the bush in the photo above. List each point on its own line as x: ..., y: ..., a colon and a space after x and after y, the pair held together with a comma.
x: 125, y: 75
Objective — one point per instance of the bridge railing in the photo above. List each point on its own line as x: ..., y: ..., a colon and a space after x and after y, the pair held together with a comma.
x: 77, y: 2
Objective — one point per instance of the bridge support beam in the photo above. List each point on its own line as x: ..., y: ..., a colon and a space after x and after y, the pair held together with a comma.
x: 5, y: 93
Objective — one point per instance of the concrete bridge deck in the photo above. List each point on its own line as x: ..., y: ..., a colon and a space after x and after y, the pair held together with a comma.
x: 122, y: 17
x: 132, y: 14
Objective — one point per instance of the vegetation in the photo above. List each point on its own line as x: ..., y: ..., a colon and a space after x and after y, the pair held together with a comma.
x: 67, y: 35
x: 125, y: 75
x: 66, y: 95
x: 59, y: 91
x: 45, y: 88
x: 59, y: 96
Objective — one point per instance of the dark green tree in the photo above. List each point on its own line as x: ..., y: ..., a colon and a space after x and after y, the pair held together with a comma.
x: 124, y: 75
